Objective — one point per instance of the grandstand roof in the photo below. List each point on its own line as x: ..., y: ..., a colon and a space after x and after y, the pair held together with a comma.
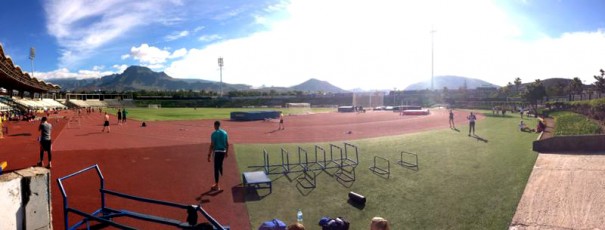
x: 11, y: 76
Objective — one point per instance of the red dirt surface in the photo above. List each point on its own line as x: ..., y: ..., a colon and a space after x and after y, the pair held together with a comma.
x: 166, y: 160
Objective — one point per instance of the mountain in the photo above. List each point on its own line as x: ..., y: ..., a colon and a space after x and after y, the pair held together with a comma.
x: 142, y: 78
x: 314, y: 85
x: 451, y: 82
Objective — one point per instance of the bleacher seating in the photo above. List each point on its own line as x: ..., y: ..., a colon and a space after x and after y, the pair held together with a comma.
x: 4, y: 107
x: 113, y: 103
x: 38, y: 104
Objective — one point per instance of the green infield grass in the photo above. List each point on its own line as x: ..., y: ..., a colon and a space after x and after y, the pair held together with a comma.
x: 462, y: 182
x: 164, y: 114
x: 570, y: 123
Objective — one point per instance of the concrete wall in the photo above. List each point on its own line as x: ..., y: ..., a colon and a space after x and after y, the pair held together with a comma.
x: 584, y: 143
x: 25, y: 199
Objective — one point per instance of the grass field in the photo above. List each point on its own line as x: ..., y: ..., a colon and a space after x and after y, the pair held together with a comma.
x: 165, y: 114
x: 462, y: 182
x: 570, y: 123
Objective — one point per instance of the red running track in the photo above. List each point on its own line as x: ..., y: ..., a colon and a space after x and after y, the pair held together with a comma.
x: 166, y: 160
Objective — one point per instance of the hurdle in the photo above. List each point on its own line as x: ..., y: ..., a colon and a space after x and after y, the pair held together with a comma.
x: 307, y: 179
x: 321, y: 164
x: 268, y: 167
x: 346, y: 175
x: 337, y: 162
x: 292, y: 167
x: 3, y: 166
x: 106, y: 215
x: 350, y: 161
x: 379, y: 169
x: 73, y: 123
x: 411, y: 162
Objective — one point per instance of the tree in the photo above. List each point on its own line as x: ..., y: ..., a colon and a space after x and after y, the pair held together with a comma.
x: 600, y: 82
x: 517, y: 84
x: 534, y: 93
x: 576, y: 86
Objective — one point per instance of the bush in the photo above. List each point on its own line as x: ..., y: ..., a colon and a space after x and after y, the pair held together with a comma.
x: 594, y: 109
x: 568, y: 123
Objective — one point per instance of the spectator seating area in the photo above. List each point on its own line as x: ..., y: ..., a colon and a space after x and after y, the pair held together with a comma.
x: 94, y: 103
x: 40, y: 104
x: 4, y: 107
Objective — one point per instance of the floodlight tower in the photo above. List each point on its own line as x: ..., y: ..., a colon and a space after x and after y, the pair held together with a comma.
x: 432, y: 59
x: 220, y: 65
x: 32, y: 55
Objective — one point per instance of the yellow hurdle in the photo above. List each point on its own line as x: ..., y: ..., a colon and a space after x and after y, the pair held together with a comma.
x: 3, y: 165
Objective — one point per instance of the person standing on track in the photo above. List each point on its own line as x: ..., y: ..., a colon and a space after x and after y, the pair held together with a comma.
x: 281, y: 122
x: 219, y: 148
x: 452, y: 125
x: 471, y: 122
x: 45, y: 143
x: 106, y: 123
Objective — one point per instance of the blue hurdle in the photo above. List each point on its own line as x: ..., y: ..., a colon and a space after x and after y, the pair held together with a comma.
x: 105, y: 215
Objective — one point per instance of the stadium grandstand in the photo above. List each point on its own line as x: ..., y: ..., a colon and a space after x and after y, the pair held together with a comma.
x: 12, y: 78
x: 97, y: 100
x: 29, y: 90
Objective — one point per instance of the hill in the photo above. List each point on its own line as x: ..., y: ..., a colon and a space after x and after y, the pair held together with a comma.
x: 142, y: 78
x: 314, y: 85
x: 451, y: 82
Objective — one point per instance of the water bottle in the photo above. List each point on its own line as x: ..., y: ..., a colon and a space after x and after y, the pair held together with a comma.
x: 299, y: 216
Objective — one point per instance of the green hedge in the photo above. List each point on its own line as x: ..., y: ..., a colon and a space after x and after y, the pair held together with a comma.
x: 569, y: 123
x: 594, y: 109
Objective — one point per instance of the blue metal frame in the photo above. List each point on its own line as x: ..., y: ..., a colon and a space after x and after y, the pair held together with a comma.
x: 105, y: 214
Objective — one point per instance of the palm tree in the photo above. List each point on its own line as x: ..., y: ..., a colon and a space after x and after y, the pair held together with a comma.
x: 600, y: 83
x: 576, y: 86
x: 517, y: 84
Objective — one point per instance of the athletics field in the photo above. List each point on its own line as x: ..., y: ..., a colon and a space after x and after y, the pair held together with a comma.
x: 461, y: 182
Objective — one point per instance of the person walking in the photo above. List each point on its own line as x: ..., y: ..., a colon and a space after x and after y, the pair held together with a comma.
x: 452, y: 125
x: 471, y: 122
x: 124, y: 115
x: 119, y: 117
x: 219, y: 148
x: 45, y: 129
x: 106, y: 123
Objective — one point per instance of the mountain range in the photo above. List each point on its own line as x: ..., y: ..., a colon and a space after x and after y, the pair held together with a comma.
x: 142, y: 78
x: 451, y: 82
x: 136, y: 78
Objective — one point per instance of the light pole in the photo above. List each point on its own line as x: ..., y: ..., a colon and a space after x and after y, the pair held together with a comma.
x: 432, y: 59
x: 220, y: 65
x: 32, y: 55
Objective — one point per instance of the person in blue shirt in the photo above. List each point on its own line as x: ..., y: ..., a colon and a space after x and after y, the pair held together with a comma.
x: 219, y: 148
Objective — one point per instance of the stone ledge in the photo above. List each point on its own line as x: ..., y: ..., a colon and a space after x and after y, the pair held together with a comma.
x: 582, y: 143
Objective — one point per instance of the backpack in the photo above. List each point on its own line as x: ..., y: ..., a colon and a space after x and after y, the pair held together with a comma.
x: 338, y: 223
x: 274, y: 224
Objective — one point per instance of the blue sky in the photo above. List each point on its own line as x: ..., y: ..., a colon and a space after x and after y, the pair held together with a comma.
x: 369, y: 44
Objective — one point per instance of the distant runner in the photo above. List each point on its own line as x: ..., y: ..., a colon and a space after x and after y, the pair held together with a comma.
x: 471, y: 122
x: 452, y: 125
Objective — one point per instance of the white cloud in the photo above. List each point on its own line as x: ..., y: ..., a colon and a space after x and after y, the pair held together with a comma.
x: 152, y: 56
x: 81, y: 27
x: 177, y: 35
x: 210, y: 38
x: 125, y: 56
x: 388, y: 44
x: 178, y: 53
x: 197, y: 29
x: 120, y: 68
x: 66, y: 73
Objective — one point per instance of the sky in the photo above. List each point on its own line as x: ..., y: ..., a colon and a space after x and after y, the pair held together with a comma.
x: 353, y: 44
